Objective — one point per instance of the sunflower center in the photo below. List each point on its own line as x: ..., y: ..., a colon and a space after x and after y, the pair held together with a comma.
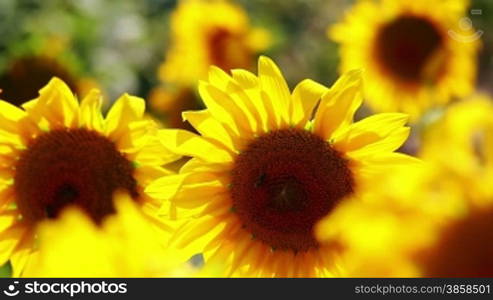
x: 71, y: 167
x: 26, y: 76
x: 286, y: 194
x: 284, y: 183
x: 463, y: 250
x: 406, y: 48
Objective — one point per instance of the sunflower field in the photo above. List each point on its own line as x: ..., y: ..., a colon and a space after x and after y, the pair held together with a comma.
x: 246, y: 138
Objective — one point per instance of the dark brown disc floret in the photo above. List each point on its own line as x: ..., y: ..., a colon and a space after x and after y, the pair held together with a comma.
x: 406, y: 47
x: 463, y: 249
x: 71, y: 167
x: 284, y: 183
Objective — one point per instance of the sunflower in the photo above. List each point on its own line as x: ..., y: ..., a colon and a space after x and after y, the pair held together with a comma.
x: 125, y: 245
x: 223, y: 38
x: 396, y: 214
x: 26, y: 73
x: 24, y: 77
x: 167, y: 103
x: 437, y: 218
x: 263, y: 172
x: 411, y: 53
x: 55, y: 152
x: 462, y: 244
x: 464, y: 130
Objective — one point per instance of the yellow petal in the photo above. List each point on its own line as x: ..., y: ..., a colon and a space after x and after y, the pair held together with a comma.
x: 7, y: 195
x: 198, y: 194
x: 10, y: 235
x: 197, y: 229
x: 147, y: 174
x: 10, y: 140
x: 7, y: 219
x: 193, y: 236
x: 23, y: 253
x: 248, y: 92
x: 246, y: 79
x: 338, y: 105
x: 196, y: 164
x: 166, y: 187
x: 387, y: 144
x: 247, y: 101
x: 372, y: 130
x: 374, y: 166
x: 139, y: 134
x: 276, y: 88
x: 90, y: 111
x: 209, y: 127
x: 10, y: 115
x: 224, y: 109
x: 56, y: 104
x: 188, y: 144
x: 126, y: 110
x: 149, y: 151
x: 305, y: 97
x: 219, y: 78
x: 242, y: 247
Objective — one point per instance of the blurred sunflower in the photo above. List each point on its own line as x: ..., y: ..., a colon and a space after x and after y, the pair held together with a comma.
x: 224, y: 38
x: 396, y: 214
x: 462, y: 244
x: 436, y: 218
x: 56, y: 152
x: 25, y: 74
x: 410, y: 52
x: 263, y: 173
x: 463, y: 130
x: 125, y: 245
x: 209, y: 32
x: 167, y: 103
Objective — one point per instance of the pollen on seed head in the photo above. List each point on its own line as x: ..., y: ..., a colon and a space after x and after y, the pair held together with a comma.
x: 71, y: 167
x: 284, y: 183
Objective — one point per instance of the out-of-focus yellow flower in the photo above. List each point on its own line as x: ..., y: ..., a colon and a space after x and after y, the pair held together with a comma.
x: 168, y: 103
x: 26, y: 74
x: 125, y: 245
x: 436, y: 219
x: 264, y: 171
x: 203, y: 33
x: 465, y: 133
x: 387, y: 226
x: 415, y: 57
x: 209, y: 32
x: 55, y: 151
x: 461, y: 146
x: 24, y: 77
